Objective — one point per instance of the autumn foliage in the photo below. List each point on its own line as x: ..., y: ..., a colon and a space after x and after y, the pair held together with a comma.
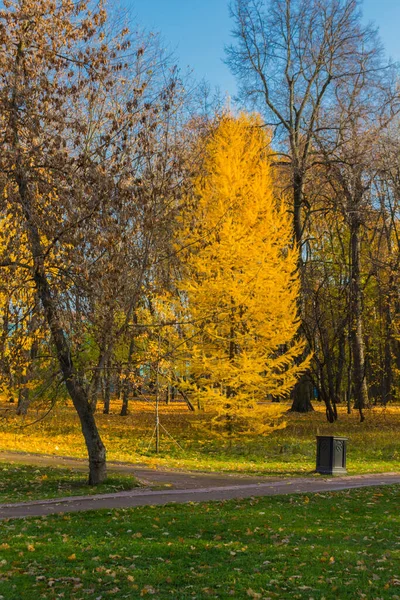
x: 146, y: 245
x: 240, y: 281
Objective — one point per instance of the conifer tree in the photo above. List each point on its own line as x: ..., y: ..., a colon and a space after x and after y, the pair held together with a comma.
x: 240, y: 284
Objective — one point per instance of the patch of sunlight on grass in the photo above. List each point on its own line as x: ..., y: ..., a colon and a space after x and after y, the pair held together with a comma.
x: 287, y: 448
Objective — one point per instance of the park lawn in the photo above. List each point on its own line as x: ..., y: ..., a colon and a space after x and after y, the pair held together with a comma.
x: 287, y: 448
x: 322, y: 546
x: 22, y: 483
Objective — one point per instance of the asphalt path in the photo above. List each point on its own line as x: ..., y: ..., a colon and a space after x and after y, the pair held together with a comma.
x: 188, y: 487
x: 146, y: 475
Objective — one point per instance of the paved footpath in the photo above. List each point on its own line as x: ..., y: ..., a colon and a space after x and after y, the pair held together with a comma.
x: 188, y: 487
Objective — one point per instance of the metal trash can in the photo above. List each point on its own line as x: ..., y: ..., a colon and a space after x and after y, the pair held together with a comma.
x: 331, y: 455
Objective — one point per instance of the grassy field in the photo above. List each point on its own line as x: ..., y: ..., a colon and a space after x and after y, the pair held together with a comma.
x: 21, y: 483
x: 287, y: 449
x: 334, y: 545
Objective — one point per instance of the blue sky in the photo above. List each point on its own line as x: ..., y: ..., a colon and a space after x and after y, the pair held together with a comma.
x: 198, y: 30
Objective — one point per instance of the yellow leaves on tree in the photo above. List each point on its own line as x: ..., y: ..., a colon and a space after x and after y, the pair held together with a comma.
x: 240, y: 283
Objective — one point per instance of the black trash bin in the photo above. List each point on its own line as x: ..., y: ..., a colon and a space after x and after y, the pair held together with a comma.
x: 331, y: 455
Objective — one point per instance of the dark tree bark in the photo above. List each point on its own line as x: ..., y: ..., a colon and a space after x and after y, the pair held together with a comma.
x: 48, y: 298
x: 23, y: 398
x: 302, y: 395
x: 127, y: 383
x: 340, y: 365
x: 356, y: 319
x: 118, y: 386
x: 387, y: 382
x: 107, y: 388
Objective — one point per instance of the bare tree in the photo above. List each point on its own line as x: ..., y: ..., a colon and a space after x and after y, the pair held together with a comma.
x: 349, y: 138
x: 290, y: 57
x: 384, y: 257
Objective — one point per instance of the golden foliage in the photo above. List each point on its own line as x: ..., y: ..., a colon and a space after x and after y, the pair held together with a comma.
x: 240, y: 283
x: 289, y: 449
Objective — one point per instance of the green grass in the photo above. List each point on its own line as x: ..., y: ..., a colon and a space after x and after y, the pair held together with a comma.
x: 324, y: 546
x: 287, y: 448
x: 280, y: 454
x: 21, y: 483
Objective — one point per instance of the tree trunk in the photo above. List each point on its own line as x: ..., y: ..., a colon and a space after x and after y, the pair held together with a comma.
x: 47, y: 293
x: 341, y: 365
x: 331, y: 409
x: 298, y: 184
x: 356, y: 316
x: 94, y: 390
x: 349, y: 386
x: 125, y: 400
x: 48, y: 298
x: 186, y: 399
x: 96, y: 384
x: 168, y: 395
x: 330, y: 405
x: 107, y: 388
x: 390, y: 340
x: 302, y: 395
x: 118, y: 386
x: 94, y: 444
x: 127, y: 383
x: 387, y: 382
x: 302, y: 392
x: 23, y: 398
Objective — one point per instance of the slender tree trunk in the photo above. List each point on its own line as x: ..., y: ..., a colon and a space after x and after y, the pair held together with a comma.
x: 75, y: 387
x: 331, y: 405
x: 94, y: 391
x: 118, y: 386
x: 125, y: 400
x: 23, y: 398
x: 107, y: 388
x: 168, y: 395
x: 127, y: 383
x: 356, y: 316
x: 4, y: 360
x: 77, y: 392
x: 340, y: 366
x: 298, y: 184
x: 189, y: 404
x: 302, y: 392
x: 387, y: 382
x: 349, y: 386
x: 47, y: 295
x: 96, y: 384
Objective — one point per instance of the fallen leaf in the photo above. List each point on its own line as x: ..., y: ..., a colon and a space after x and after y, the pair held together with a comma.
x: 252, y: 594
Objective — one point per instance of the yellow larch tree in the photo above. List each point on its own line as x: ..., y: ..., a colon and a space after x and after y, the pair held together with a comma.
x: 240, y: 283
